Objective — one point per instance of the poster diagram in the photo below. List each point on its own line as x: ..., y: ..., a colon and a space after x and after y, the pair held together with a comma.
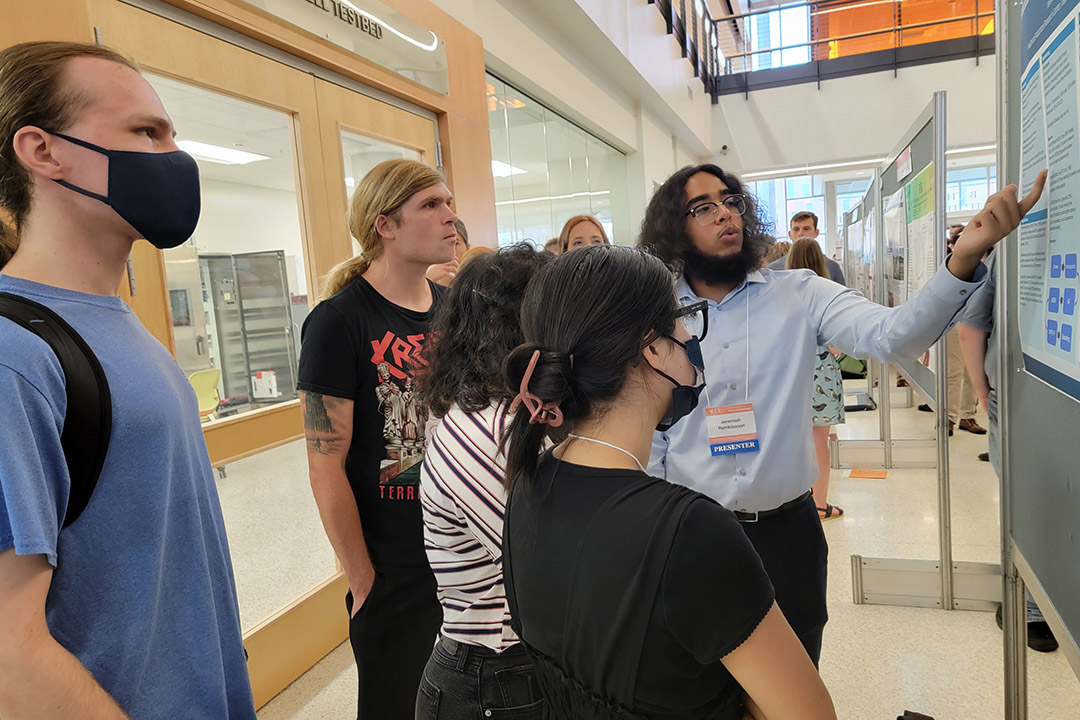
x: 921, y: 241
x: 1050, y: 233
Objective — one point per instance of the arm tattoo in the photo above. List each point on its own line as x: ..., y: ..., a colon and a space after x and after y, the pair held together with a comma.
x: 318, y: 426
x: 315, y: 415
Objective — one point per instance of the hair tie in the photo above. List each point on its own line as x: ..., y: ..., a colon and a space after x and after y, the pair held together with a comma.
x: 539, y: 412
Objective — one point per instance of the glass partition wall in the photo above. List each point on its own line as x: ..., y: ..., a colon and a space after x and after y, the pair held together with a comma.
x: 547, y: 170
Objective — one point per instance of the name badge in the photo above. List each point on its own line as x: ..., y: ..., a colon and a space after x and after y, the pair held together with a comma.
x: 732, y: 429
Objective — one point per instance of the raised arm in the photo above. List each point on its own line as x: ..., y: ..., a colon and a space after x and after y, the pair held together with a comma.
x: 328, y: 426
x: 864, y: 329
x: 39, y: 679
x: 780, y: 681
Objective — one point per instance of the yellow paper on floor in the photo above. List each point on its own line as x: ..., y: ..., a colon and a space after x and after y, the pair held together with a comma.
x: 870, y: 474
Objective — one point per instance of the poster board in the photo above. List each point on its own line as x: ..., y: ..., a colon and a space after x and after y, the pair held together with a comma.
x: 860, y: 245
x: 912, y: 211
x: 1038, y: 377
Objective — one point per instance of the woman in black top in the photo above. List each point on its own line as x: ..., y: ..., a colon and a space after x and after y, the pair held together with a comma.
x: 634, y: 597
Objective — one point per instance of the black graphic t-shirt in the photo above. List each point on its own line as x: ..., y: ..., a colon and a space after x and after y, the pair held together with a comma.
x: 359, y: 346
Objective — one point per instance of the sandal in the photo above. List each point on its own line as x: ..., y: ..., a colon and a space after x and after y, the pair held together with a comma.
x: 830, y: 512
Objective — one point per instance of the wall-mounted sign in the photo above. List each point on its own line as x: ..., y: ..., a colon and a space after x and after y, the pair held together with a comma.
x: 373, y: 31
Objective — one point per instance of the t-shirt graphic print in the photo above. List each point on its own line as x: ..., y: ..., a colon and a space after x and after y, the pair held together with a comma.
x: 403, y: 415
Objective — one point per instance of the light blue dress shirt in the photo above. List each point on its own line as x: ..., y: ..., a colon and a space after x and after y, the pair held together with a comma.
x: 771, y: 344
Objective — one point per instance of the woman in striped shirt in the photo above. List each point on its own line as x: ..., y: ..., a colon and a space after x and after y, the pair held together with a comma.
x: 477, y: 668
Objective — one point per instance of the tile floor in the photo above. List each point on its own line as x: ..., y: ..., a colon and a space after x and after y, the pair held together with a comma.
x: 877, y: 661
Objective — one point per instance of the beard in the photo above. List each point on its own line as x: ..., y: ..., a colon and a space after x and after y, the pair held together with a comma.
x: 727, y: 270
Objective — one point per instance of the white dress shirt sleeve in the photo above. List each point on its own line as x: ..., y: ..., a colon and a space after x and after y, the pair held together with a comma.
x: 848, y: 321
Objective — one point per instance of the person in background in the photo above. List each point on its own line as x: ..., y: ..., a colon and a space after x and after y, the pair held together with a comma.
x: 365, y: 426
x: 473, y: 254
x: 777, y: 253
x: 581, y: 231
x: 130, y: 611
x: 961, y: 391
x: 828, y: 400
x: 805, y: 225
x: 631, y: 594
x: 703, y: 223
x: 462, y: 492
x: 444, y: 273
x: 979, y: 338
x: 552, y: 246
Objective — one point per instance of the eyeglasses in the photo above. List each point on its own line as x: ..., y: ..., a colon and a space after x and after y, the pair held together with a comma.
x: 707, y: 212
x: 695, y: 319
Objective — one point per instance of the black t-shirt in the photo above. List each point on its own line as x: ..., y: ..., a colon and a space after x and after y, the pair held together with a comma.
x: 584, y: 536
x: 359, y: 346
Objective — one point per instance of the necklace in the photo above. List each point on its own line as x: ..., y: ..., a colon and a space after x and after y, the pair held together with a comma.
x: 613, y: 447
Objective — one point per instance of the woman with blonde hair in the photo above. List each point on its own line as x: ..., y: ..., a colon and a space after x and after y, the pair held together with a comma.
x: 581, y: 231
x: 828, y: 400
x: 361, y: 352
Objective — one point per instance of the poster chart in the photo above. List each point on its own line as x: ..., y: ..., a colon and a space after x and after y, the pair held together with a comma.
x: 1050, y: 233
x: 921, y: 240
x: 896, y: 249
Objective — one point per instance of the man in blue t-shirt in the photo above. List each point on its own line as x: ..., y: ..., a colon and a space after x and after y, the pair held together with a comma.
x: 130, y: 611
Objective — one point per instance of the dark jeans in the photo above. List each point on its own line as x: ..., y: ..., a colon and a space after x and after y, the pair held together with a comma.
x: 471, y: 682
x: 793, y: 550
x: 392, y: 635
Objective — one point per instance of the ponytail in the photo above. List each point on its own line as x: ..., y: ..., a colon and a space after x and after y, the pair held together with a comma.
x: 344, y: 273
x: 9, y: 243
x: 552, y: 383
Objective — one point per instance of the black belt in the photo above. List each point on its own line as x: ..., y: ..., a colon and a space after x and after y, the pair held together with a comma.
x: 751, y: 517
x: 459, y: 649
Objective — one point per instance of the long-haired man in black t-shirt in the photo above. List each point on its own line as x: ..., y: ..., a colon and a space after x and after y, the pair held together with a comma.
x: 362, y: 345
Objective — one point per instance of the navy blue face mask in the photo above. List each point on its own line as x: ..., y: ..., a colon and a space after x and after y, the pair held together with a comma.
x: 684, y: 398
x: 156, y: 193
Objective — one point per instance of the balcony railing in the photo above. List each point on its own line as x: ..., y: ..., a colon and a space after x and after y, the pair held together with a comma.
x: 799, y: 33
x: 698, y: 37
x: 786, y: 35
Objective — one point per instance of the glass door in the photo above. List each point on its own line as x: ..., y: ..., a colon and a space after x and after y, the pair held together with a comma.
x: 359, y: 132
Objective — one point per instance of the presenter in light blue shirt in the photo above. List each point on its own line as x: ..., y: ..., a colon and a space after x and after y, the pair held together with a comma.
x: 749, y: 443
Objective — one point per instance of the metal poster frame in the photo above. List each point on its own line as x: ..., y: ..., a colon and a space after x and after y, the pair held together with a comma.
x: 942, y: 583
x: 1015, y: 385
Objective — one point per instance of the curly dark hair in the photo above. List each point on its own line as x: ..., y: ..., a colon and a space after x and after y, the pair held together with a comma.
x: 475, y: 327
x: 663, y: 231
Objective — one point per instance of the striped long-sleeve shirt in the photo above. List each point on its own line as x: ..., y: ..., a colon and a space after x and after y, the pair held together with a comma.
x: 463, y: 500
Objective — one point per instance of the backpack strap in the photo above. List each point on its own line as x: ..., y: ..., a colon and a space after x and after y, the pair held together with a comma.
x: 88, y: 421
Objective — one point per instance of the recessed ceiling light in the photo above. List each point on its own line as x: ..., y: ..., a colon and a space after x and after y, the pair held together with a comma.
x: 218, y: 154
x: 500, y: 169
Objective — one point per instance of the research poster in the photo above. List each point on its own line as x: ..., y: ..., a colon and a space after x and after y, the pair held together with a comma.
x: 896, y: 248
x: 921, y: 240
x: 1050, y: 233
x: 869, y: 246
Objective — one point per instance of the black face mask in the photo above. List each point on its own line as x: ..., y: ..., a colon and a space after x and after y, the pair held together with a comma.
x: 730, y: 270
x: 684, y: 398
x: 156, y: 193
